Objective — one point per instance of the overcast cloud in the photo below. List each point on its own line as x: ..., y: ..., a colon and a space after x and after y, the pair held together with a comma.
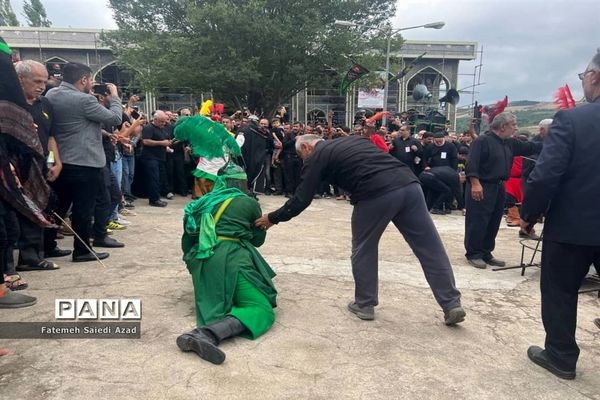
x: 530, y: 47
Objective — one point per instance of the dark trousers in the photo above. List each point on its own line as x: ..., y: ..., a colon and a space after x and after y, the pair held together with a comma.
x: 292, y: 166
x: 406, y: 208
x: 277, y: 174
x: 180, y: 185
x: 107, y: 199
x: 31, y: 242
x: 152, y: 174
x: 9, y: 232
x: 78, y: 186
x: 483, y: 220
x: 563, y: 268
x: 440, y: 193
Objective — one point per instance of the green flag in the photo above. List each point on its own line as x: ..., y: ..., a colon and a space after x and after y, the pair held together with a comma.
x: 356, y: 72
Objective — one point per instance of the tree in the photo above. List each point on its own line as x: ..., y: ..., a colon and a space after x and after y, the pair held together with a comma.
x: 7, y: 14
x: 257, y: 53
x: 35, y: 13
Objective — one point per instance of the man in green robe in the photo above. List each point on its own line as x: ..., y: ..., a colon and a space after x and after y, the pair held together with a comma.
x: 233, y: 290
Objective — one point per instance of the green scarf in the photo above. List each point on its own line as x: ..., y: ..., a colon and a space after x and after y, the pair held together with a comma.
x: 201, y: 211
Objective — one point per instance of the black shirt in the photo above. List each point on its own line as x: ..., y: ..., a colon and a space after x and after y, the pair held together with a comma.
x: 352, y: 163
x: 43, y: 116
x: 403, y: 152
x: 490, y: 157
x: 153, y: 132
x: 289, y: 144
x: 445, y: 155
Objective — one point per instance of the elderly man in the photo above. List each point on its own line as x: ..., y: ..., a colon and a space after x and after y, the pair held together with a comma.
x: 487, y: 168
x: 33, y: 77
x: 383, y: 190
x: 155, y: 140
x: 565, y: 186
x: 79, y: 117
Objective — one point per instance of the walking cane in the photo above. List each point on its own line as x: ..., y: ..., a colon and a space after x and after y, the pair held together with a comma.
x: 79, y: 238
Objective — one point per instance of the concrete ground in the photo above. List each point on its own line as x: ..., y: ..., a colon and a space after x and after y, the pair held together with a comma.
x: 317, y: 349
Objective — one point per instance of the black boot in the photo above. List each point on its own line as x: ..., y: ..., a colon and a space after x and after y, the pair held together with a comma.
x: 204, y: 341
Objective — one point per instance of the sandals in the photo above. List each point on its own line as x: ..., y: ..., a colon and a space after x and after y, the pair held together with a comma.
x: 43, y: 265
x: 15, y: 282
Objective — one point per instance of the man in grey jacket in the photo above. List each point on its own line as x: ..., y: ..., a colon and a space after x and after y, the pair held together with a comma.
x: 78, y: 118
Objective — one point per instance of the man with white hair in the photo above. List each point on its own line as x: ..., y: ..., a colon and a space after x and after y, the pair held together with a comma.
x: 487, y: 169
x: 383, y: 190
x: 33, y: 76
x: 565, y: 186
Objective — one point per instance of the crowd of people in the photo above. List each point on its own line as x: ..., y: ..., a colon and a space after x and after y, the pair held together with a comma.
x: 77, y: 152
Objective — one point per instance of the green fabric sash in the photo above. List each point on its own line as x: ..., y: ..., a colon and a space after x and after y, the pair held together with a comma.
x: 5, y: 49
x: 207, y: 237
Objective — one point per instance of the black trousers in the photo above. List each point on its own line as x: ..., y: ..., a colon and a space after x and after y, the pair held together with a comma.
x: 109, y: 195
x: 152, y: 174
x: 30, y: 242
x: 179, y: 174
x: 483, y: 220
x: 9, y: 232
x: 292, y: 166
x: 78, y: 186
x: 439, y: 193
x: 563, y: 268
x: 277, y: 175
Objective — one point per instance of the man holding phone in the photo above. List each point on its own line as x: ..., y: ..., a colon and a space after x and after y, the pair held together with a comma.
x: 79, y: 117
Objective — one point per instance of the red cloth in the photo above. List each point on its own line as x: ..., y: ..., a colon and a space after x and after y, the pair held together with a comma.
x: 379, y: 142
x: 513, y: 185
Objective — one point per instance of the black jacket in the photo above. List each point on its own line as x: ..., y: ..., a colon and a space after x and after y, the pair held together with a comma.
x: 566, y: 178
x: 352, y: 163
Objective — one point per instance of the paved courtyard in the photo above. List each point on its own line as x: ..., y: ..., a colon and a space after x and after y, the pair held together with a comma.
x: 316, y: 349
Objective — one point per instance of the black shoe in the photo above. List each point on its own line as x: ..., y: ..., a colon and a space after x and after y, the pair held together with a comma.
x: 158, y: 203
x: 597, y: 322
x: 437, y: 211
x: 90, y: 257
x: 494, y: 262
x: 203, y: 344
x: 531, y: 235
x: 107, y: 242
x: 454, y: 316
x: 540, y: 357
x: 367, y: 312
x: 56, y: 252
x: 477, y: 263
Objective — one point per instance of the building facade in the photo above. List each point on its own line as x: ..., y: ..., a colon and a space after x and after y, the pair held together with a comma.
x: 437, y: 70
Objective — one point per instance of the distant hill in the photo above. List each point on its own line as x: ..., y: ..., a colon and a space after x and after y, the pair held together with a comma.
x: 529, y: 114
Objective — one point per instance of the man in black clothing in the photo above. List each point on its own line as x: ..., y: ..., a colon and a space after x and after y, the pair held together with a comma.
x: 382, y: 190
x: 254, y: 153
x: 440, y: 177
x: 155, y: 141
x: 33, y: 76
x: 488, y: 167
x: 292, y: 164
x: 407, y: 149
x: 565, y: 186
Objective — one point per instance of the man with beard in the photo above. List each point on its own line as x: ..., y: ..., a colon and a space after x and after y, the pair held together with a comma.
x: 292, y: 164
x: 440, y: 176
x: 79, y: 117
x: 565, y: 185
x: 383, y: 190
x: 254, y: 154
x: 407, y: 149
x: 487, y: 169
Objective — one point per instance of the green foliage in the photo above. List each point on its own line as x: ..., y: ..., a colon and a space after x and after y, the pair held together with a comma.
x: 35, y: 13
x: 247, y: 52
x: 7, y: 14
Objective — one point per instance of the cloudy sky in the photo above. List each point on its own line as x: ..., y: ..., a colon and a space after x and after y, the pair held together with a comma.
x: 530, y: 47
